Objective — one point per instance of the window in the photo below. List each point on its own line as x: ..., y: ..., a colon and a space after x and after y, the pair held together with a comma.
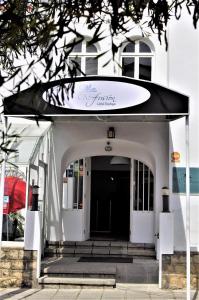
x: 83, y: 57
x: 73, y: 186
x: 144, y: 187
x: 137, y: 60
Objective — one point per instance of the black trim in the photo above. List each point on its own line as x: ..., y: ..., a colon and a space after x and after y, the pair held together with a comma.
x: 162, y: 100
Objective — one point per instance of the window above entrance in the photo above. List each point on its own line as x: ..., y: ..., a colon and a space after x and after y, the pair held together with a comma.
x: 83, y: 58
x: 137, y: 60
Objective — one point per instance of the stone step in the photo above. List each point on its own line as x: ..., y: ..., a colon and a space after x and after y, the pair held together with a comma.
x: 122, y: 244
x: 96, y: 251
x: 100, y: 248
x: 79, y: 282
x: 65, y: 267
x: 79, y: 275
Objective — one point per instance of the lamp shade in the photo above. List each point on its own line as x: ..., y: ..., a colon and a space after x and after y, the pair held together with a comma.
x: 165, y: 191
x: 35, y: 189
x: 111, y: 133
x: 119, y: 160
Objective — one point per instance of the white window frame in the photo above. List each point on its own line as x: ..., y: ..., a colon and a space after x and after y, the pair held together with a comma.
x: 68, y: 203
x: 136, y: 55
x: 150, y: 178
x: 83, y: 55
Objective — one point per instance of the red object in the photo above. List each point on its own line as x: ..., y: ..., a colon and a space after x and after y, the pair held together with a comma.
x: 15, y: 189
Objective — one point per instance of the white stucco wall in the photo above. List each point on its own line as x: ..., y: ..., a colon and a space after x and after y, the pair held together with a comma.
x: 152, y: 143
x: 183, y: 76
x: 147, y: 142
x: 177, y: 69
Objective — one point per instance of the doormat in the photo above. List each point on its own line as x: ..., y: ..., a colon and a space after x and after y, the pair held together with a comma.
x: 116, y: 260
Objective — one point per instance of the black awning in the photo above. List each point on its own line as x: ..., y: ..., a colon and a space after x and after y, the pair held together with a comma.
x: 157, y: 100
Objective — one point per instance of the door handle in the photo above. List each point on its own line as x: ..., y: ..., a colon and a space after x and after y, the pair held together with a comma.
x: 157, y: 235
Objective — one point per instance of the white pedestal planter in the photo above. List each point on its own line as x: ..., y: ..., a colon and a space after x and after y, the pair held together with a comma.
x: 32, y: 236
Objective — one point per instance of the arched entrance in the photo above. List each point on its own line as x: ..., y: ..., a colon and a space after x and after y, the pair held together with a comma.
x: 105, y: 196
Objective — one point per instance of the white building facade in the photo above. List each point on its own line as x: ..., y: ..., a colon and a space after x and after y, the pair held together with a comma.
x: 86, y: 195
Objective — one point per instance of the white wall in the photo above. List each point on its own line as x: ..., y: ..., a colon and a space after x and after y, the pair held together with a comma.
x: 147, y: 142
x: 54, y: 204
x: 178, y: 69
x: 73, y: 231
x: 183, y: 76
x: 142, y: 228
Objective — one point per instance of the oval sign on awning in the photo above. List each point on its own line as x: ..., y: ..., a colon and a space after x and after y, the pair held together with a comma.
x: 97, y: 95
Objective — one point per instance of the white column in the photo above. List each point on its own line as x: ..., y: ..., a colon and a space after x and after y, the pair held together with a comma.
x: 32, y: 235
x: 166, y: 238
x: 187, y: 210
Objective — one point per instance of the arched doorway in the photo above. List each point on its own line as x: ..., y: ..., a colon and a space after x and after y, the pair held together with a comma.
x: 77, y: 219
x: 110, y: 197
x: 108, y: 201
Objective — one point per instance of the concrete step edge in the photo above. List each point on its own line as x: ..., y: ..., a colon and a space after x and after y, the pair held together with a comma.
x: 99, y: 247
x: 77, y: 281
x: 79, y: 254
x: 75, y: 249
x: 80, y: 273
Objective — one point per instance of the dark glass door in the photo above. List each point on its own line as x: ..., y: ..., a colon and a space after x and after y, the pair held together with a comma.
x: 110, y: 204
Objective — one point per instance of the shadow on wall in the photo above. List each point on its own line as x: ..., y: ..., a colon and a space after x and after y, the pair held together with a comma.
x: 18, y: 267
x: 177, y: 200
x: 54, y: 202
x: 97, y: 148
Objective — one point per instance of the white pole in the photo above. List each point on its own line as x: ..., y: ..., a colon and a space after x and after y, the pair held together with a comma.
x: 27, y: 199
x: 160, y: 268
x: 187, y: 211
x: 3, y: 168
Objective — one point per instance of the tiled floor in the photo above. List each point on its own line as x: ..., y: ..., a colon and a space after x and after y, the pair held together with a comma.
x: 122, y: 292
x: 139, y: 271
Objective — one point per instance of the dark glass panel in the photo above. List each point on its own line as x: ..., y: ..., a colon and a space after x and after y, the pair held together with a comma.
x: 81, y: 170
x: 140, y: 186
x: 135, y: 186
x: 77, y: 48
x: 75, y: 63
x: 128, y: 66
x: 75, y: 186
x: 91, y: 48
x: 151, y: 196
x: 145, y: 68
x: 91, y: 66
x: 146, y: 187
x: 129, y: 48
x: 144, y: 48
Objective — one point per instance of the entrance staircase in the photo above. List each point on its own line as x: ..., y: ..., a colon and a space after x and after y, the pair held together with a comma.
x: 96, y: 248
x: 89, y: 263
